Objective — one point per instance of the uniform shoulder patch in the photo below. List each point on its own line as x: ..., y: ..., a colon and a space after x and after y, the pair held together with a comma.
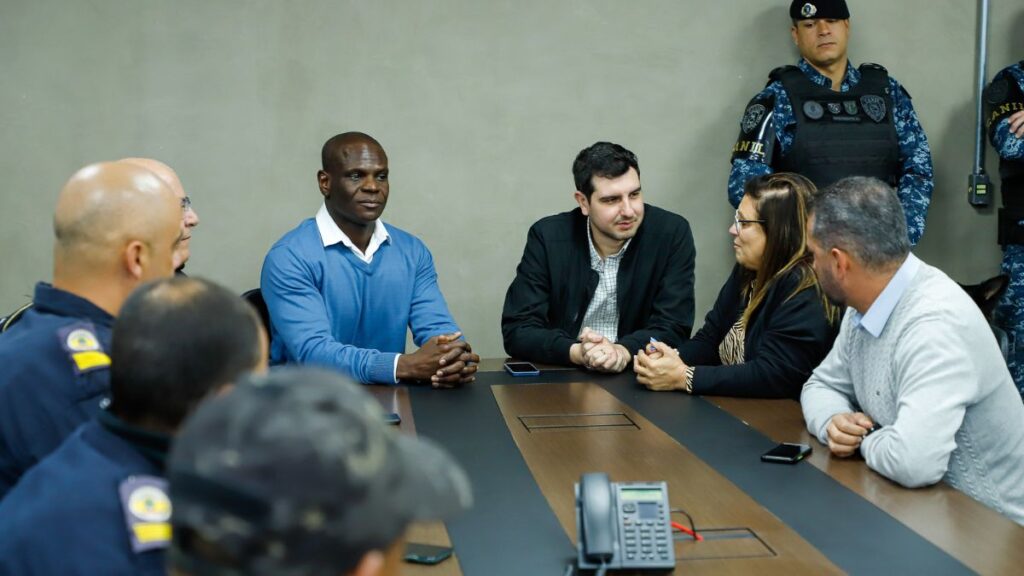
x: 83, y: 347
x: 1003, y: 97
x: 997, y: 91
x: 752, y: 117
x: 757, y: 134
x: 147, y: 512
x: 874, y: 107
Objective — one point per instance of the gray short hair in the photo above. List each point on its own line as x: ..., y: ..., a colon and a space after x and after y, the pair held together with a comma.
x: 862, y: 216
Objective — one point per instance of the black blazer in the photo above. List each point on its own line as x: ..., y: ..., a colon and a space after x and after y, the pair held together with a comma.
x: 787, y: 337
x: 546, y: 303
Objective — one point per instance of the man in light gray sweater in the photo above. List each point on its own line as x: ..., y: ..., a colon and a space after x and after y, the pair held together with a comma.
x: 915, y: 380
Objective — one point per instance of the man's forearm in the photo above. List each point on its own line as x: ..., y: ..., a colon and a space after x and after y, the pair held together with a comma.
x: 545, y: 345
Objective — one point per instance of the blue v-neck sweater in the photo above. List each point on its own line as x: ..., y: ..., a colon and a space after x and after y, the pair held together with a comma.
x: 330, y: 308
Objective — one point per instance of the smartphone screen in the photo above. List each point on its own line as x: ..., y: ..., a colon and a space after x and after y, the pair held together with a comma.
x: 426, y: 553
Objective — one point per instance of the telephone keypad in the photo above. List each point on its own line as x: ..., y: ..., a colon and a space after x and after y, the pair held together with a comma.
x: 646, y: 534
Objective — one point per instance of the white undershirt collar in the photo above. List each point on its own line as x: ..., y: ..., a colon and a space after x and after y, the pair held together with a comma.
x: 331, y: 234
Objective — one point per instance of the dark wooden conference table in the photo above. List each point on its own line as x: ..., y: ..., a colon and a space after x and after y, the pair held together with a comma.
x: 525, y: 441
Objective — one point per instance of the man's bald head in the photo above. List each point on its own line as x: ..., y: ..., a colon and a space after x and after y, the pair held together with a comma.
x: 335, y: 148
x: 106, y: 210
x: 163, y: 171
x: 189, y: 217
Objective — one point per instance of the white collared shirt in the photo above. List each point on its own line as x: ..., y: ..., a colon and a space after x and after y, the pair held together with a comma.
x: 602, y: 314
x: 331, y: 234
x: 875, y: 319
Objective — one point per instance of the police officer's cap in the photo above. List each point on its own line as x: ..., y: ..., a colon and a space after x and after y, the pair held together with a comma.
x: 297, y: 473
x: 806, y: 10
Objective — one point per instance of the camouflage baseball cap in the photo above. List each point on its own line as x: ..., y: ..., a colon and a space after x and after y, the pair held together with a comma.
x: 296, y: 472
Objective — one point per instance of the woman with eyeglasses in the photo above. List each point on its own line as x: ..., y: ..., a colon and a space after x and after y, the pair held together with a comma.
x: 772, y: 323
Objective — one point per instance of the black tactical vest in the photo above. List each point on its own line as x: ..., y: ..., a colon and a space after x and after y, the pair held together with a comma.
x: 1011, y: 172
x: 841, y: 134
x: 1005, y: 98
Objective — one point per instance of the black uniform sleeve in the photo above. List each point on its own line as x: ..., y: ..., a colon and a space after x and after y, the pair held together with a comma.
x: 1003, y: 98
x: 524, y: 318
x: 756, y: 141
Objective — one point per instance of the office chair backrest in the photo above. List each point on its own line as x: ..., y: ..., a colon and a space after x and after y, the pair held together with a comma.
x: 986, y: 295
x: 255, y: 298
x: 11, y: 319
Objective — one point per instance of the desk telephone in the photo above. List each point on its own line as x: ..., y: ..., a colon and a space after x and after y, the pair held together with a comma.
x: 623, y: 525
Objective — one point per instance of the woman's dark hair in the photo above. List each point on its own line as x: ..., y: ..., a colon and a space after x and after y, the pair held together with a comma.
x: 783, y: 200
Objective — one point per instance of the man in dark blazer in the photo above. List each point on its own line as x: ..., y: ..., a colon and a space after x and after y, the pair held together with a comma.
x: 599, y: 282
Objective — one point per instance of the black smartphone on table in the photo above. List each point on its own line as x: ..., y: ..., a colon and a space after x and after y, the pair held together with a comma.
x: 786, y: 453
x: 521, y: 369
x: 426, y: 553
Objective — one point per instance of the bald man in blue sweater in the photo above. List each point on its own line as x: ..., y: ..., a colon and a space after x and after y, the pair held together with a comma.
x: 342, y: 288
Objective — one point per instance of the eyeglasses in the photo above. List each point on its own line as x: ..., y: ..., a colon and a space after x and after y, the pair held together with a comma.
x: 740, y: 224
x: 186, y: 204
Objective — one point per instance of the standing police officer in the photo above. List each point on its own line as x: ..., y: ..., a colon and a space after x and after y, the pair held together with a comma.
x: 116, y: 226
x: 1005, y: 97
x: 825, y: 119
x: 99, y: 503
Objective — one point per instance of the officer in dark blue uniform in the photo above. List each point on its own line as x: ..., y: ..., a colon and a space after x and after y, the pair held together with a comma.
x: 1005, y: 99
x: 99, y: 503
x: 55, y: 363
x: 826, y: 120
x: 68, y: 338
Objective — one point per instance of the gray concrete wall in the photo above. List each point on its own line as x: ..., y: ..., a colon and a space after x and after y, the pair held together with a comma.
x: 481, y: 107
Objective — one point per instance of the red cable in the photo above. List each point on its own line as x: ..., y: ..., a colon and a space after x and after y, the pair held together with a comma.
x: 682, y: 528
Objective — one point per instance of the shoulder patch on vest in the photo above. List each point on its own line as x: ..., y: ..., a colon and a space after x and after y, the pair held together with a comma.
x: 83, y: 347
x: 874, y: 107
x: 147, y: 512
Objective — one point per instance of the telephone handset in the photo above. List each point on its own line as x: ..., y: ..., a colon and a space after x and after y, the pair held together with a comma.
x: 597, y: 528
x: 623, y: 525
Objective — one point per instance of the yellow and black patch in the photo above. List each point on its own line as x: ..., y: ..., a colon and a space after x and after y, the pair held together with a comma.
x: 83, y: 347
x: 85, y: 361
x: 147, y: 512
